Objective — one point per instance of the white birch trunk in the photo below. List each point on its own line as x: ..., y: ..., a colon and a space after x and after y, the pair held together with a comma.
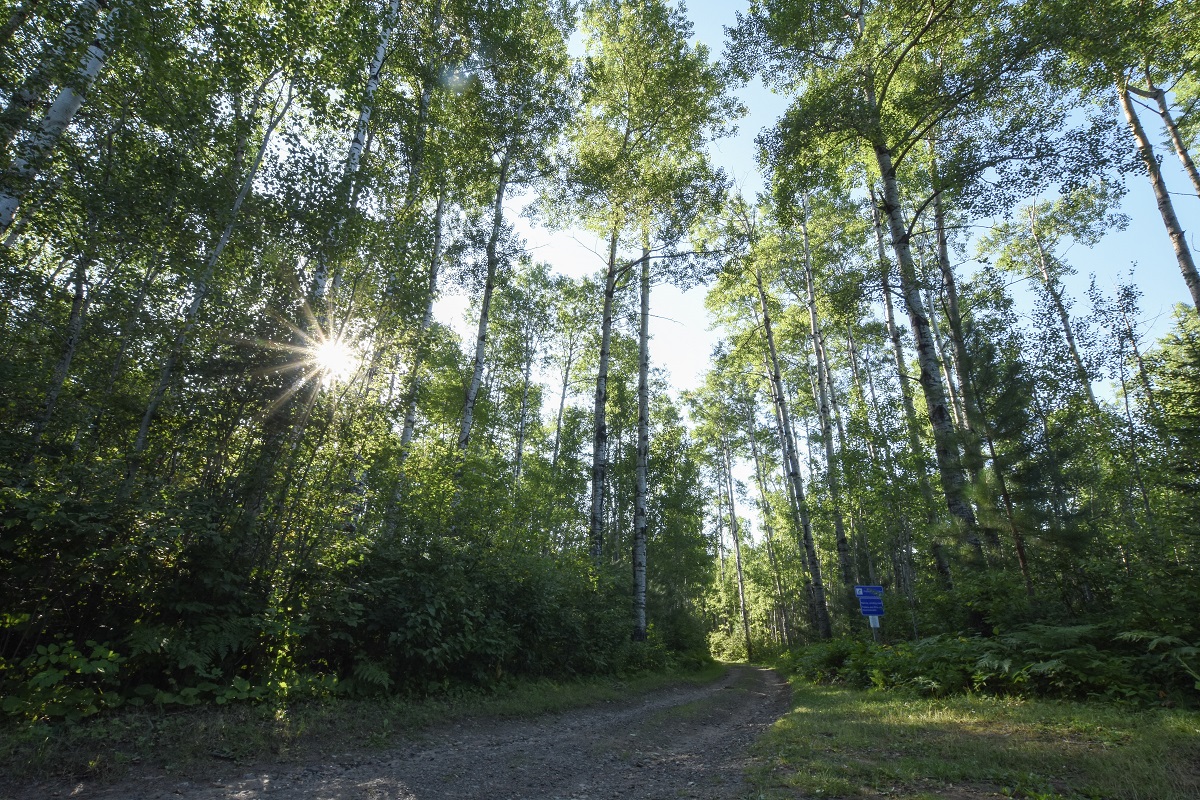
x: 39, y: 148
x: 25, y: 99
x: 481, y: 337
x: 1183, y: 254
x: 737, y: 554
x: 792, y: 461
x: 822, y: 398
x: 414, y: 380
x: 599, y: 414
x: 643, y: 456
x: 200, y: 291
x: 945, y: 447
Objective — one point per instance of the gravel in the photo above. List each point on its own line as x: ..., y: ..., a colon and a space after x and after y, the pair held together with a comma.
x: 683, y: 742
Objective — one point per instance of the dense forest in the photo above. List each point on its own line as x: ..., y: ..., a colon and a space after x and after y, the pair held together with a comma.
x: 241, y: 458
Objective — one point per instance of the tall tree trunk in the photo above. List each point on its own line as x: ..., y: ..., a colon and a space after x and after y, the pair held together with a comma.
x: 1164, y: 110
x: 562, y: 406
x: 1183, y: 254
x: 945, y: 445
x: 420, y: 351
x: 600, y: 416
x: 768, y: 528
x: 36, y: 152
x: 25, y: 99
x: 972, y: 455
x: 199, y: 292
x: 1055, y: 292
x: 822, y: 398
x: 792, y: 462
x: 523, y: 413
x: 737, y: 551
x: 643, y: 455
x: 493, y: 263
x: 349, y: 187
x: 910, y: 413
x: 15, y: 20
x: 80, y: 302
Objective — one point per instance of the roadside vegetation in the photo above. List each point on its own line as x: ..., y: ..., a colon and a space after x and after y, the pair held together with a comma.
x: 846, y: 742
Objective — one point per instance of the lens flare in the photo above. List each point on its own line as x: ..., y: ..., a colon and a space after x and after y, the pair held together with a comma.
x: 335, y: 359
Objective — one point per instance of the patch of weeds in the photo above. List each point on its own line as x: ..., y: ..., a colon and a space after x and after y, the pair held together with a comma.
x: 843, y: 742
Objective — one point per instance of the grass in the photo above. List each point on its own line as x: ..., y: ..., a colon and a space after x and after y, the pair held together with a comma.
x: 189, y: 742
x: 850, y: 743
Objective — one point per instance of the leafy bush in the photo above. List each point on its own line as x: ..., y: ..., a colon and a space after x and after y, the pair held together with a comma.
x: 1068, y: 661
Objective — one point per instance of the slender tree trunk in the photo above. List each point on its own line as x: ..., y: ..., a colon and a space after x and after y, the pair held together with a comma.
x: 945, y: 445
x: 768, y: 528
x: 971, y: 452
x: 600, y: 437
x: 910, y: 413
x: 79, y: 307
x: 945, y: 365
x: 821, y: 395
x: 737, y: 552
x: 493, y: 263
x: 420, y: 351
x: 349, y: 189
x: 1055, y: 293
x: 562, y: 406
x: 1183, y: 254
x: 25, y: 98
x: 15, y: 20
x: 523, y: 413
x: 643, y: 455
x: 36, y: 152
x: 199, y: 292
x: 792, y: 462
x: 1164, y: 111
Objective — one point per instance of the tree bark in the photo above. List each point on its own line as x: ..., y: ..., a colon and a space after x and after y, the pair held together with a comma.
x: 354, y: 155
x: 25, y: 98
x: 1183, y: 254
x: 412, y: 395
x: 823, y: 409
x: 643, y: 455
x: 792, y: 462
x: 1164, y: 111
x: 910, y: 413
x: 768, y: 528
x: 493, y: 264
x: 973, y: 456
x: 1055, y: 292
x: 80, y: 302
x: 27, y: 164
x: 737, y: 554
x: 600, y: 416
x: 945, y: 446
x: 199, y: 292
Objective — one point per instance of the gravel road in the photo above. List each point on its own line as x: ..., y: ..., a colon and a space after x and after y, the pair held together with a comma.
x: 685, y: 742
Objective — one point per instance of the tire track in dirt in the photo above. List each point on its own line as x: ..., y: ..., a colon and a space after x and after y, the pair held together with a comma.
x: 684, y: 742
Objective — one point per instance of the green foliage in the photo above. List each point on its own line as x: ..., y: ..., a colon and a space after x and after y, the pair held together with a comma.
x: 1087, y: 661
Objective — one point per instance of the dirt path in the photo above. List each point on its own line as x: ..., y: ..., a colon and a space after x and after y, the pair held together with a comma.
x: 687, y: 742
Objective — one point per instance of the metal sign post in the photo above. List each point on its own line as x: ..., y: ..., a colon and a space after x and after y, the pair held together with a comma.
x: 870, y: 604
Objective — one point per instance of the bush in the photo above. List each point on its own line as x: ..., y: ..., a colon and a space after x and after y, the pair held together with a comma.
x: 1066, y: 661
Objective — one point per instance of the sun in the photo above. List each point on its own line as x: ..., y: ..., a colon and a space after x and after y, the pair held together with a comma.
x: 335, y: 359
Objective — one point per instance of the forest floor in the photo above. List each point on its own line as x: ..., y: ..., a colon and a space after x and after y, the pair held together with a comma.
x: 679, y: 742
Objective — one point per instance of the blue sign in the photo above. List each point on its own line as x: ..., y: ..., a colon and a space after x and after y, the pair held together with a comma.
x: 870, y: 600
